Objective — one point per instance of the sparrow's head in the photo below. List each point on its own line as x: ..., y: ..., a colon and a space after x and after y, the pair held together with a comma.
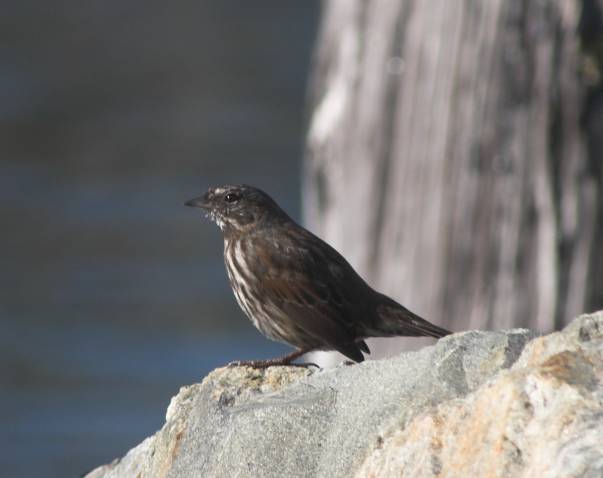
x: 237, y: 207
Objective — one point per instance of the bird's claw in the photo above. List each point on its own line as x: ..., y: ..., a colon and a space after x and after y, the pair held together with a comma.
x: 307, y: 364
x: 267, y: 364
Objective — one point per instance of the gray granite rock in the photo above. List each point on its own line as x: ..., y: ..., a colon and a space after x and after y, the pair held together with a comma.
x: 543, y: 417
x: 288, y: 421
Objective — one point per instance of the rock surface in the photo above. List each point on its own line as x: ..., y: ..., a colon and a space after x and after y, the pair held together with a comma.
x: 543, y: 417
x: 474, y: 404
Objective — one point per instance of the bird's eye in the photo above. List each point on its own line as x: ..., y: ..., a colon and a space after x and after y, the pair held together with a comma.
x: 232, y: 197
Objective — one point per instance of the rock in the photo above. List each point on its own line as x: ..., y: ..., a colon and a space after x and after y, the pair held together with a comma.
x: 471, y: 405
x: 543, y: 417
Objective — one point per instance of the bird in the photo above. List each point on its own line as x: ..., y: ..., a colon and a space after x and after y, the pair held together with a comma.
x: 294, y: 287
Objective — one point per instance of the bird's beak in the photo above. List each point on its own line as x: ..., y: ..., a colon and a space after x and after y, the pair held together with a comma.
x: 200, y: 202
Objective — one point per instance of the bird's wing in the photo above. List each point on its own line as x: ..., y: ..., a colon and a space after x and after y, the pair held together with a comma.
x: 314, y: 286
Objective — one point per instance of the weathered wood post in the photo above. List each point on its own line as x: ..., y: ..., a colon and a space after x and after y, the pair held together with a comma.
x: 447, y: 157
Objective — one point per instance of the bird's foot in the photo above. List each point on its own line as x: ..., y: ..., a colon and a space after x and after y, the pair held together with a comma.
x: 268, y: 363
x: 280, y: 361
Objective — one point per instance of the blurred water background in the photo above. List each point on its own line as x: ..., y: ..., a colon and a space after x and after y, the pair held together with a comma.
x: 113, y: 294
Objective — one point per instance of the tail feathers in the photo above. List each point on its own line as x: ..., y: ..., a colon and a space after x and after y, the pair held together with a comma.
x: 395, y: 320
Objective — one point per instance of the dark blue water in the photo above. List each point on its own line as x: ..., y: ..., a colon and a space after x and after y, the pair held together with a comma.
x: 113, y: 295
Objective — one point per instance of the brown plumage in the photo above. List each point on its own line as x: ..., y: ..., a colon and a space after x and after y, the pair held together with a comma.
x: 296, y: 288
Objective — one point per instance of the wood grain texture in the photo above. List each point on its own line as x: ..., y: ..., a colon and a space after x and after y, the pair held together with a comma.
x: 447, y: 158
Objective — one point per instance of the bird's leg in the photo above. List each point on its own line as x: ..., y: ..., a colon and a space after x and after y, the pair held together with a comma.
x: 286, y: 360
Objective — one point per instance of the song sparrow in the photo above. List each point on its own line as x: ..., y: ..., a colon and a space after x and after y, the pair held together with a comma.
x: 296, y: 288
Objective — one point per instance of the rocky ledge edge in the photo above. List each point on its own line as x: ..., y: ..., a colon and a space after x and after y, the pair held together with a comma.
x: 493, y: 404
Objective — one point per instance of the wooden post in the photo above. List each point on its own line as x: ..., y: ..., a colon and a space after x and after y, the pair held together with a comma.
x: 446, y: 158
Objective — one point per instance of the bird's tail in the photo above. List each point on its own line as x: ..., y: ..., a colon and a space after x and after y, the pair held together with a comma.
x: 395, y: 320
